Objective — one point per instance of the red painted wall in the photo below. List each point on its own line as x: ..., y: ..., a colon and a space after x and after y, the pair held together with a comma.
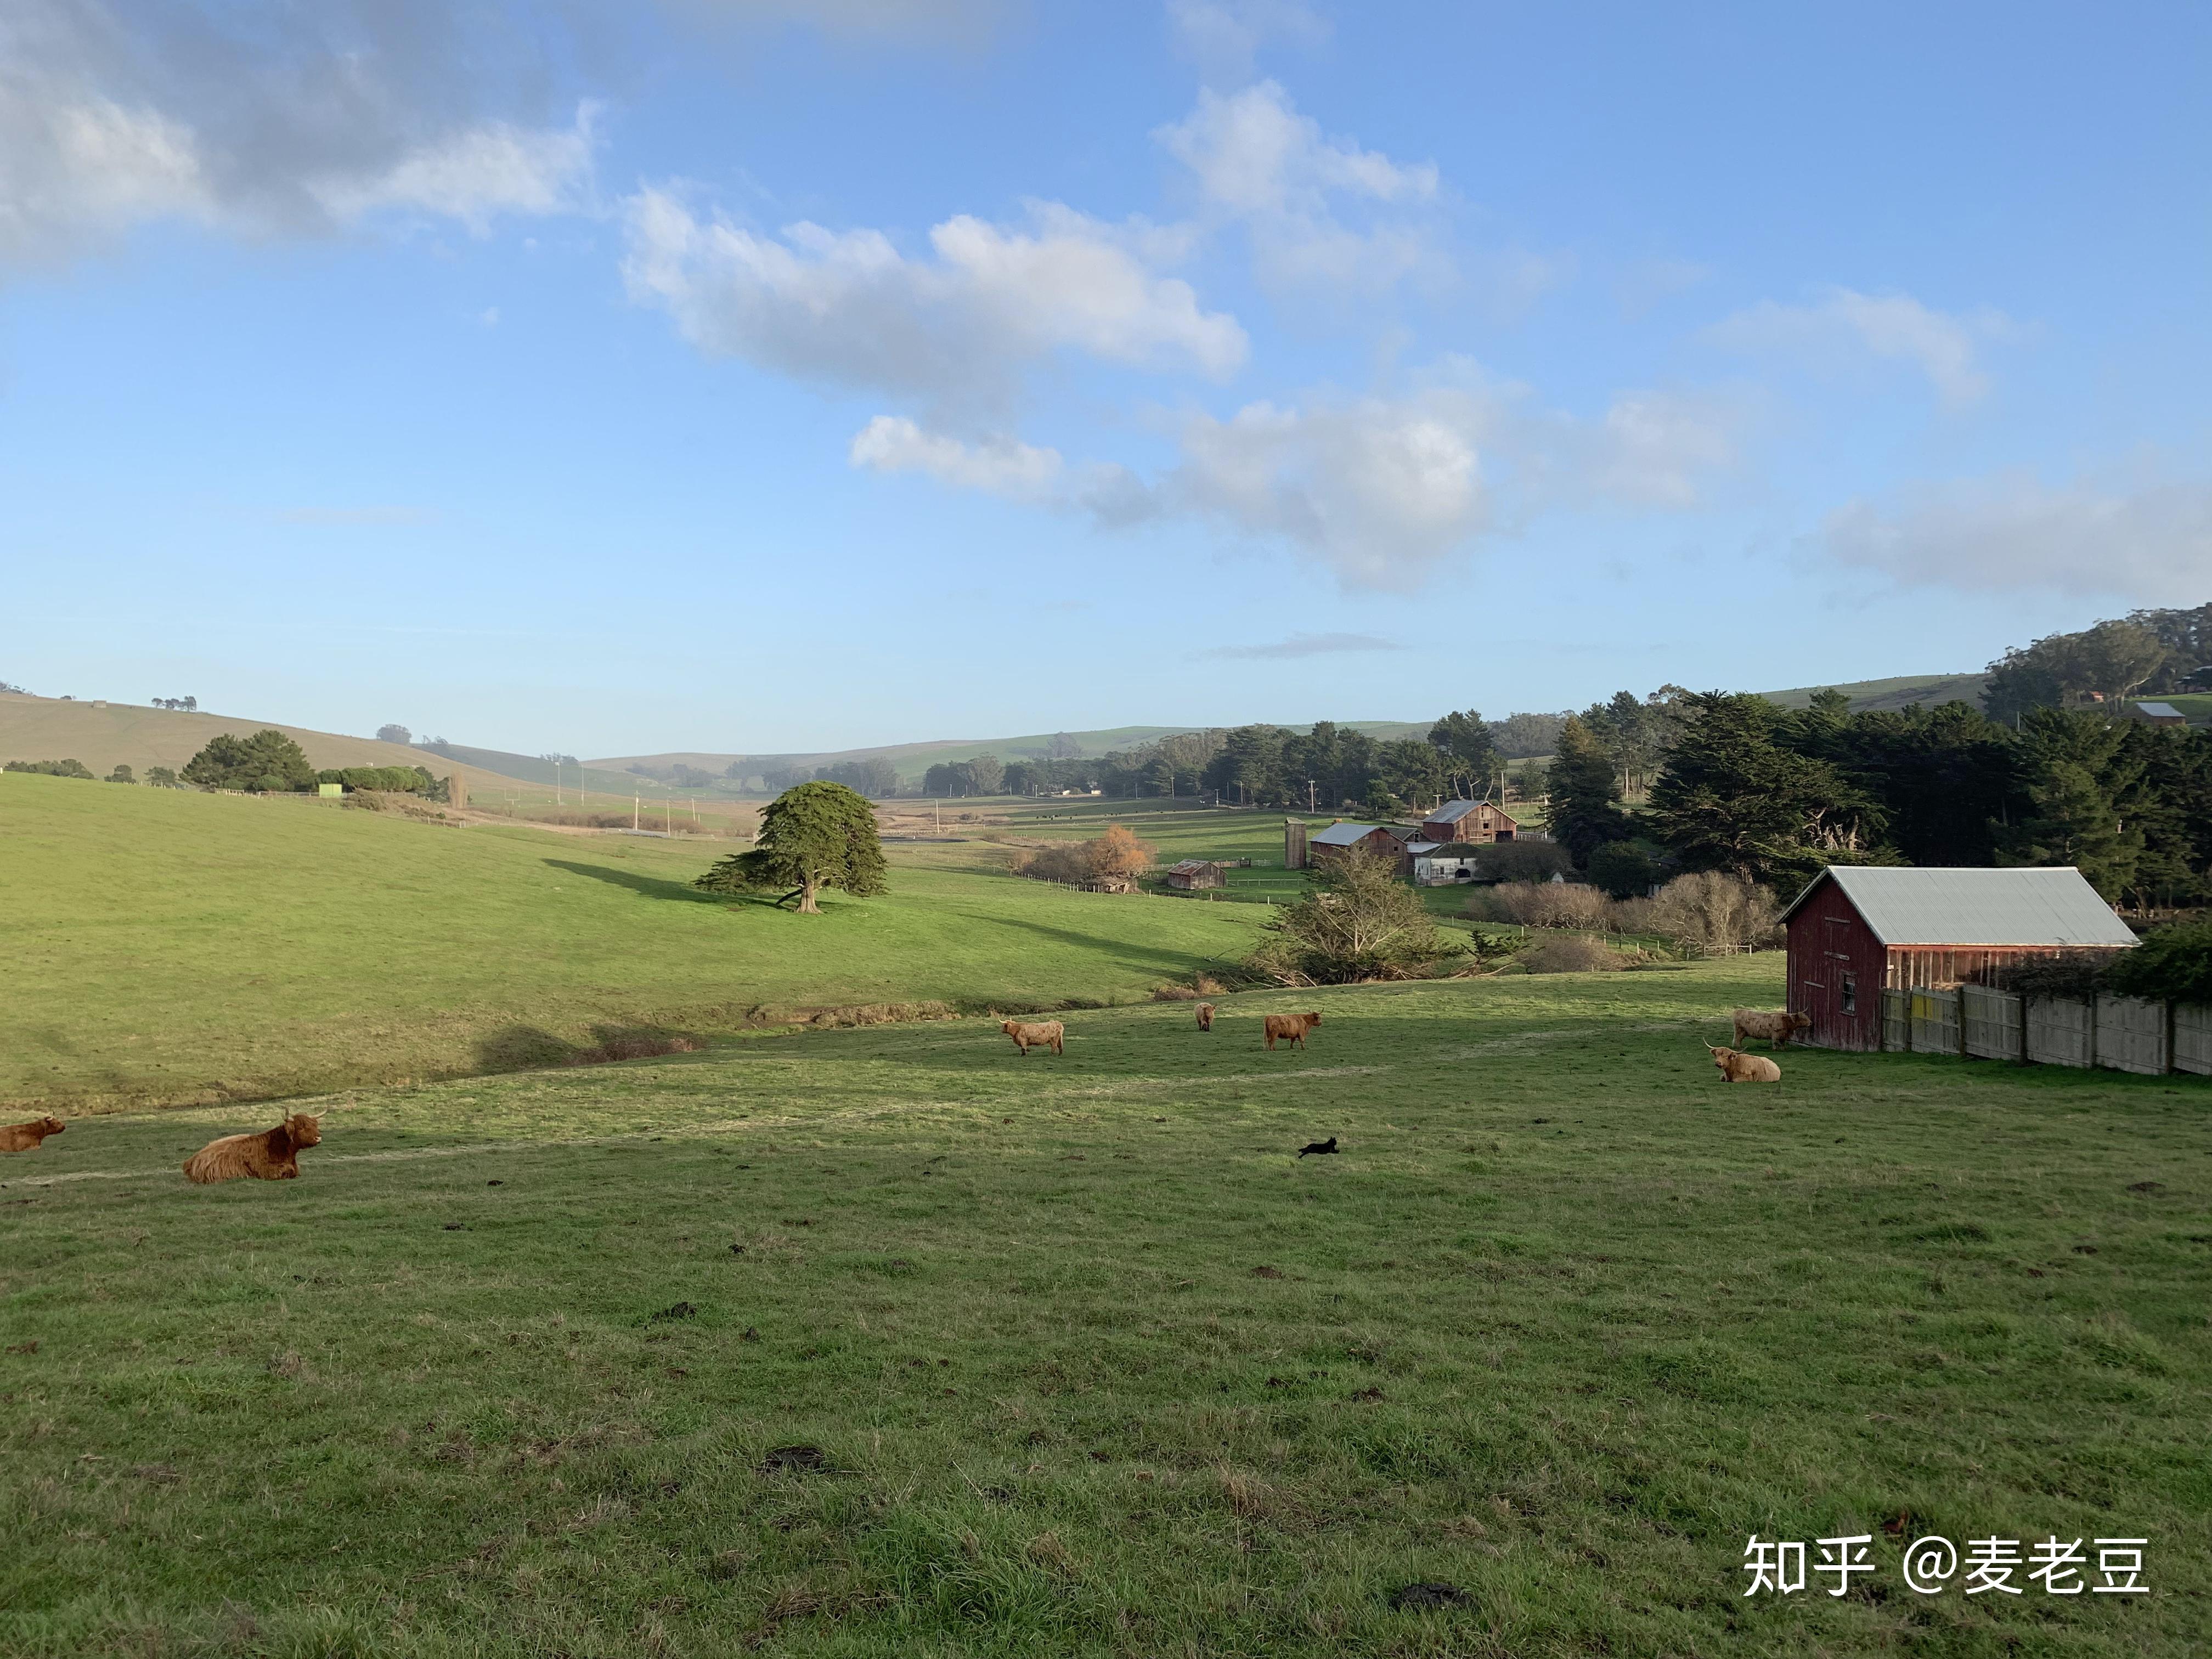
x: 1836, y: 968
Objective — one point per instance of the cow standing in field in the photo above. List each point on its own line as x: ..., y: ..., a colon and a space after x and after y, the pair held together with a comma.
x: 273, y: 1155
x: 1204, y: 1016
x: 26, y: 1137
x: 1758, y: 1024
x: 1737, y: 1068
x: 1045, y: 1034
x: 1292, y: 1027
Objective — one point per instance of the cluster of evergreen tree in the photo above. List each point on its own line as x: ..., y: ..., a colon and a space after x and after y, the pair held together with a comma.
x: 1772, y: 794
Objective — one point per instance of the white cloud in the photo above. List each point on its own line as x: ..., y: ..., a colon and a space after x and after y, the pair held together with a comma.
x: 1255, y: 161
x: 1223, y: 36
x: 1378, y: 490
x: 475, y: 174
x: 999, y: 466
x: 1895, y: 327
x: 291, y: 120
x: 2145, y: 539
x: 848, y: 309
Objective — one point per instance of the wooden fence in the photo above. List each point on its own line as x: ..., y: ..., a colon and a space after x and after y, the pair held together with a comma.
x: 1996, y: 1025
x: 2119, y: 1034
x: 2061, y: 1032
x: 2193, y: 1040
x: 2132, y: 1035
x: 1936, y: 1029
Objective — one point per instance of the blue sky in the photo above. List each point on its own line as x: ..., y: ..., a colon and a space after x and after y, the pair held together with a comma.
x: 753, y: 375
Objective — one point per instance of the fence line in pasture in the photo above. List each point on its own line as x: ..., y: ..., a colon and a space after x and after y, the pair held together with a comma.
x: 2107, y: 1033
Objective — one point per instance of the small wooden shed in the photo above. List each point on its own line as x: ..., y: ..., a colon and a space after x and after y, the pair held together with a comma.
x: 1857, y: 930
x: 1191, y: 875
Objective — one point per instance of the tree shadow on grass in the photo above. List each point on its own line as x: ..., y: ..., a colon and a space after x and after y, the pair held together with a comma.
x: 657, y: 887
x: 529, y: 1048
x: 1119, y: 950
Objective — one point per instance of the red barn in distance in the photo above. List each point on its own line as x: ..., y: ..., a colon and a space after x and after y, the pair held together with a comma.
x: 1478, y: 822
x: 1857, y: 930
x: 1342, y: 837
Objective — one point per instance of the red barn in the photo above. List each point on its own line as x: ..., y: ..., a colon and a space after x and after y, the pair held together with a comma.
x: 1478, y: 822
x: 1340, y: 838
x: 1858, y: 929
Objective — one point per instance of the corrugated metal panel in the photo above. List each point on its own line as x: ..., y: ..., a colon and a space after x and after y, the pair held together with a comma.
x: 1977, y: 907
x: 1343, y: 835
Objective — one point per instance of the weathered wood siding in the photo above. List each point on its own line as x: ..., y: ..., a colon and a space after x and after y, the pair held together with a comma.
x: 2132, y: 1035
x: 1836, y: 972
x: 2061, y: 1032
x: 1938, y: 1027
x: 2192, y: 1039
x: 1997, y: 1023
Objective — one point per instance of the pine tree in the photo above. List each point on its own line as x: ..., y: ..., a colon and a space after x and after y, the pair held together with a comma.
x: 816, y: 835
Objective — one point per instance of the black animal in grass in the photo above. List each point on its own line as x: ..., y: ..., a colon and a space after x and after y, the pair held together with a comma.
x: 1318, y: 1147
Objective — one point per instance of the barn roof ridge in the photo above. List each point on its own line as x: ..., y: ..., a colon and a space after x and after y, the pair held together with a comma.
x: 1974, y: 905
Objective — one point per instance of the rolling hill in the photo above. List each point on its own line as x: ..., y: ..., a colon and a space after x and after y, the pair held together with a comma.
x: 1929, y: 690
x: 913, y: 759
x: 103, y: 735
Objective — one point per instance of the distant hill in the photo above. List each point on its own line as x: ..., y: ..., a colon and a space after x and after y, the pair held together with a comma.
x: 1929, y: 690
x: 913, y: 759
x: 103, y: 735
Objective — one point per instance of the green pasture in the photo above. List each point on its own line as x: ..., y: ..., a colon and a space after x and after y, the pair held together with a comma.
x: 171, y: 946
x: 891, y: 1341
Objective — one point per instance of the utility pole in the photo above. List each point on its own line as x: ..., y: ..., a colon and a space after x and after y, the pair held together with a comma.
x: 633, y: 812
x: 1312, y: 805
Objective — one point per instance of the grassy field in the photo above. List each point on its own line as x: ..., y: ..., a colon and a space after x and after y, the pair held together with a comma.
x: 891, y: 1341
x: 166, y: 945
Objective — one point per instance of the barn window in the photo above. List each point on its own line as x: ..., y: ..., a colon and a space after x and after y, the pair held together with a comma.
x: 1850, y: 994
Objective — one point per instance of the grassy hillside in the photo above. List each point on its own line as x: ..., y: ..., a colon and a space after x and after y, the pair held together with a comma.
x: 1928, y: 689
x: 106, y: 735
x: 168, y: 945
x: 892, y: 1342
x: 913, y: 759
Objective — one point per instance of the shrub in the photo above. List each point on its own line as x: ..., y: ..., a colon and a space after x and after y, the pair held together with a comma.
x: 1622, y: 869
x: 60, y: 769
x: 1542, y: 904
x: 1361, y: 923
x: 1570, y: 953
x: 1713, y: 909
x: 2071, y: 974
x: 1118, y: 853
x: 160, y: 777
x: 1525, y: 860
x: 2173, y: 964
x: 122, y: 774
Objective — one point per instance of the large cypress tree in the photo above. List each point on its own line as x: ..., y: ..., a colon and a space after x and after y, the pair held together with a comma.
x: 816, y: 835
x: 1732, y: 798
x: 268, y: 762
x: 2078, y: 769
x: 1586, y: 792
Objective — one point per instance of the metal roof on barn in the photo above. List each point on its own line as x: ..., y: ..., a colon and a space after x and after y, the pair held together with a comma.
x: 1189, y: 866
x: 1342, y: 834
x: 1971, y: 907
x: 1453, y: 811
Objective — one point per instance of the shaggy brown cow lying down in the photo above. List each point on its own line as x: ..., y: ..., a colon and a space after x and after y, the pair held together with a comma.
x: 1204, y: 1016
x: 273, y: 1155
x: 1745, y: 1068
x: 26, y: 1137
x: 1293, y: 1026
x: 1045, y: 1034
x: 1757, y: 1024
